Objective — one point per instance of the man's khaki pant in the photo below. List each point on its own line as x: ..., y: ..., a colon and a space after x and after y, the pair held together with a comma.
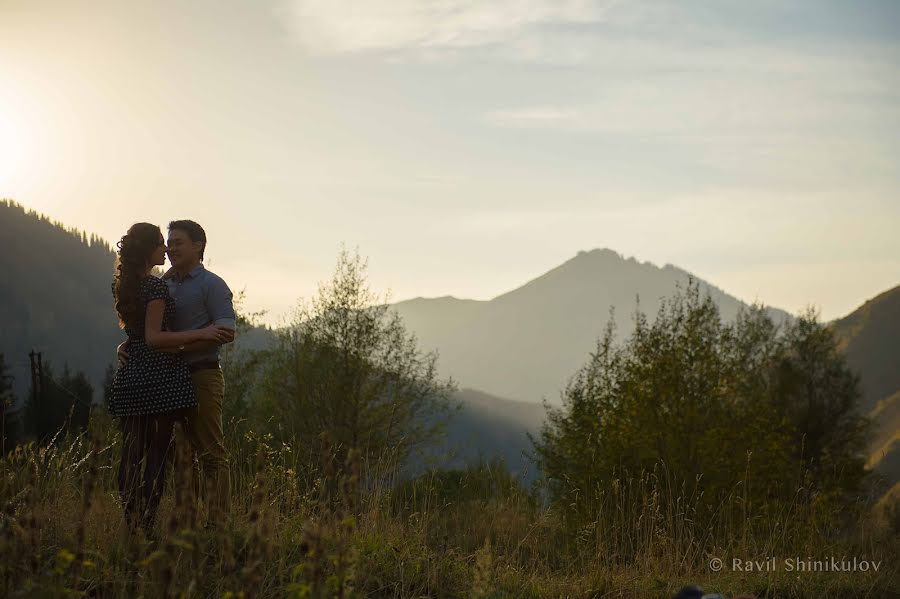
x: 203, y: 429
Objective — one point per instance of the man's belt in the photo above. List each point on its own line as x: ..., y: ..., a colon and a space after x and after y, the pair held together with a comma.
x: 208, y: 365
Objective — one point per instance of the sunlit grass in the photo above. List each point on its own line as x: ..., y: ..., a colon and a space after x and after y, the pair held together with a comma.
x: 305, y: 530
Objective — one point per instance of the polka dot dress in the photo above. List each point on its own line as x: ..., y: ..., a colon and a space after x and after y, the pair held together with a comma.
x: 152, y: 381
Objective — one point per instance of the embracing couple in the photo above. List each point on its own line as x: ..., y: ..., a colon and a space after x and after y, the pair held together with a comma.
x: 169, y: 366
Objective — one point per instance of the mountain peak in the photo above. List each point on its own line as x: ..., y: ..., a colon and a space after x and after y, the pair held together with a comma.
x: 604, y: 257
x: 597, y: 261
x: 598, y: 253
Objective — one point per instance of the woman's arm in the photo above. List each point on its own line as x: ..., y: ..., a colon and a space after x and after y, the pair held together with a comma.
x: 159, y: 339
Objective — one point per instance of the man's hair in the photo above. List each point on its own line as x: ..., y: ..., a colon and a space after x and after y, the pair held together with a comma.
x: 193, y: 230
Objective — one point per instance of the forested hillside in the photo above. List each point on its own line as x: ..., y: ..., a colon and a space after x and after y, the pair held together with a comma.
x: 870, y: 339
x: 55, y: 296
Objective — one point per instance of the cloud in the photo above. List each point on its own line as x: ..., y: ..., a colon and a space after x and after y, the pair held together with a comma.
x: 669, y: 87
x: 350, y: 26
x: 536, y: 116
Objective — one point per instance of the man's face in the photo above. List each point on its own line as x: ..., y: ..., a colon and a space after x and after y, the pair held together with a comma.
x: 181, y: 249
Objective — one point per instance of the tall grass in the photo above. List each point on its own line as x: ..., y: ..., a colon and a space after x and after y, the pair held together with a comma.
x: 304, y: 525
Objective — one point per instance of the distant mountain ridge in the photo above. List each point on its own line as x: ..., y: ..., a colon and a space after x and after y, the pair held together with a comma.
x: 526, y: 343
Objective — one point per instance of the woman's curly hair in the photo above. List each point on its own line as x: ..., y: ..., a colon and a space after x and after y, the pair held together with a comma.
x: 135, y: 249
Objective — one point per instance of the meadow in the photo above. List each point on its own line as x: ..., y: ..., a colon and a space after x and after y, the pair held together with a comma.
x: 298, y: 529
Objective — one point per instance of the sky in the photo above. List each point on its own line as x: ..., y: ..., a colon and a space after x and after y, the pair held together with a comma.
x: 467, y: 147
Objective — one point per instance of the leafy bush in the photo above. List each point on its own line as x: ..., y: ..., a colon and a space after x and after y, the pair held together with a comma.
x: 716, y: 410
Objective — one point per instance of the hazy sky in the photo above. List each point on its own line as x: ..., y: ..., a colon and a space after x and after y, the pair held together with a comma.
x: 467, y: 147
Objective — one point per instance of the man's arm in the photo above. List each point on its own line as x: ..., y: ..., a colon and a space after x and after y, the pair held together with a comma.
x: 204, y: 346
x: 220, y: 307
x: 198, y: 346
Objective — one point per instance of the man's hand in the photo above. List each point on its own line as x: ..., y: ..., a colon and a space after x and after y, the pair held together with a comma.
x: 228, y: 336
x: 122, y: 353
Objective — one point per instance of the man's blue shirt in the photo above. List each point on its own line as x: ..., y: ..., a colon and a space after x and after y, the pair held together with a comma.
x: 201, y: 298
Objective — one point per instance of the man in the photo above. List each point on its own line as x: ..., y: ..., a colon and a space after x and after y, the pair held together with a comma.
x: 201, y: 297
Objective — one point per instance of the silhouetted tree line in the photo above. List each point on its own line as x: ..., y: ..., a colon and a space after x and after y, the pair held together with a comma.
x: 58, y: 405
x: 90, y: 240
x: 62, y: 404
x: 8, y: 414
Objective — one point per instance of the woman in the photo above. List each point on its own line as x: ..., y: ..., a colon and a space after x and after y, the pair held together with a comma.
x: 151, y: 391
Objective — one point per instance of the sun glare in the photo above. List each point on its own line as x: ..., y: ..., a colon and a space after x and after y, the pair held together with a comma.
x: 10, y: 148
x: 12, y: 142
